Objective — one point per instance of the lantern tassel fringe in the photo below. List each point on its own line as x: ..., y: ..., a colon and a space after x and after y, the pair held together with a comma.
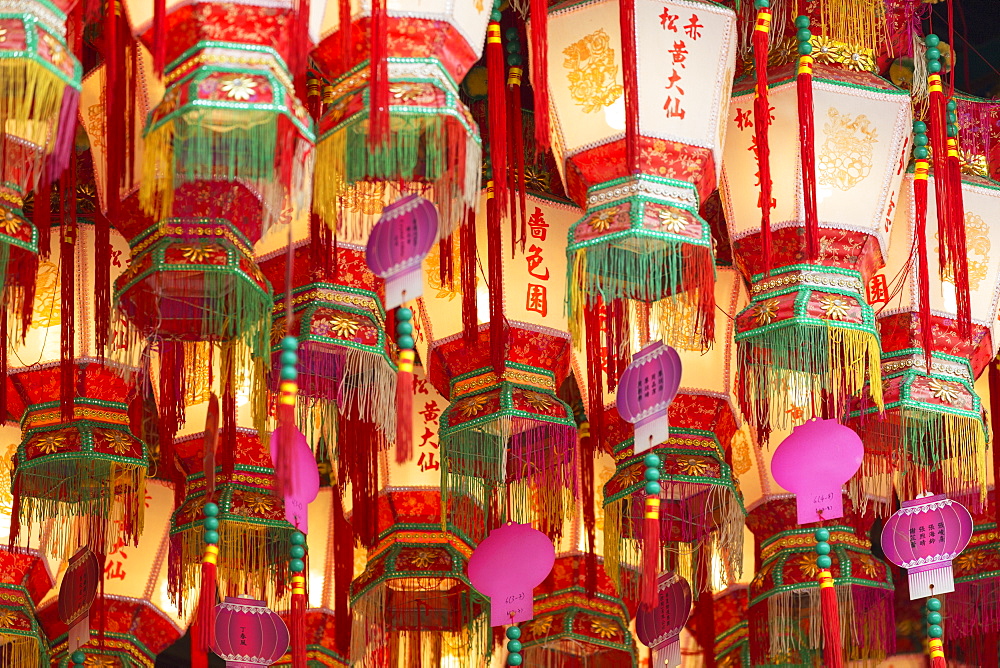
x: 23, y: 651
x: 207, y: 598
x: 30, y: 93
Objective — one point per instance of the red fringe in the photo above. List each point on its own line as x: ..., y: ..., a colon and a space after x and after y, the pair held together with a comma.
x: 206, y: 609
x: 923, y: 278
x: 404, y: 416
x: 496, y: 82
x: 994, y: 379
x: 378, y: 118
x: 808, y: 153
x: 228, y: 449
x: 42, y: 216
x: 159, y: 36
x: 650, y: 554
x: 587, y: 454
x: 761, y: 121
x: 618, y: 336
x: 515, y: 146
x: 961, y: 258
x: 360, y: 442
x: 446, y: 266
x: 706, y: 624
x: 470, y: 267
x: 3, y: 364
x: 595, y: 384
x: 938, y: 662
x: 301, y: 44
x: 298, y: 631
x: 833, y: 653
x: 343, y: 572
x: 199, y: 658
x: 102, y: 281
x: 939, y: 144
x: 540, y: 72
x: 67, y: 264
x: 346, y: 28
x: 626, y: 18
x: 494, y: 250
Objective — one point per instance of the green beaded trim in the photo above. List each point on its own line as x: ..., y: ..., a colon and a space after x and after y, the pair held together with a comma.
x: 507, y: 410
x: 30, y: 50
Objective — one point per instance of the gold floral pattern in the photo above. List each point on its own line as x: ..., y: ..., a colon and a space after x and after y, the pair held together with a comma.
x: 258, y: 503
x: 693, y: 465
x: 974, y: 164
x: 603, y: 220
x: 762, y: 574
x: 969, y: 562
x: 593, y: 74
x: 541, y: 626
x: 117, y: 440
x: 404, y: 92
x: 7, y: 618
x: 424, y: 558
x: 537, y: 400
x: 472, y: 406
x: 51, y: 442
x: 195, y: 253
x: 240, y: 89
x: 808, y: 566
x: 100, y: 661
x: 672, y: 221
x: 834, y: 308
x: 846, y: 157
x: 9, y: 223
x: 56, y: 50
x: 868, y: 566
x: 365, y: 198
x: 765, y: 311
x: 977, y: 235
x: 3, y: 35
x: 603, y: 628
x: 832, y: 52
x: 344, y: 326
x: 943, y: 391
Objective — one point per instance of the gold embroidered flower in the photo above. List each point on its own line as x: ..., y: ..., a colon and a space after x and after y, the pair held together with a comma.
x: 602, y: 221
x: 7, y: 618
x: 856, y: 59
x: 536, y: 179
x: 671, y: 221
x: 424, y: 558
x: 117, y: 440
x: 541, y: 626
x: 968, y: 562
x: 344, y: 326
x: 51, y: 442
x: 196, y: 254
x: 9, y: 223
x: 692, y: 466
x: 765, y: 311
x: 258, y: 503
x: 973, y: 163
x: 834, y: 308
x: 868, y: 565
x: 808, y: 566
x: 100, y: 661
x: 471, y: 406
x: 762, y: 574
x: 3, y: 35
x: 825, y: 50
x: 632, y: 475
x: 537, y: 400
x: 605, y: 628
x: 56, y: 50
x: 240, y: 89
x: 404, y: 92
x: 946, y: 392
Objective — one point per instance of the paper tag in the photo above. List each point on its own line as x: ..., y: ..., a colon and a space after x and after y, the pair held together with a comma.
x: 297, y: 513
x: 512, y: 608
x: 819, y: 505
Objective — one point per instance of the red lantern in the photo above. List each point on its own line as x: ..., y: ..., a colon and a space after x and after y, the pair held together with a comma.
x: 659, y: 627
x: 248, y: 633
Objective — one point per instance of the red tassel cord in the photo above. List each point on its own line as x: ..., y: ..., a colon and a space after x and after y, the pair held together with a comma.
x: 42, y: 217
x: 343, y: 572
x: 3, y: 365
x: 626, y: 17
x: 496, y: 80
x: 298, y: 630
x: 939, y: 146
x: 923, y: 272
x: 515, y: 149
x: 994, y: 379
x: 761, y: 122
x: 346, y: 36
x: 67, y: 262
x: 706, y: 624
x: 650, y: 551
x: 588, y: 452
x: 206, y: 601
x: 494, y: 250
x: 199, y: 658
x: 961, y: 258
x: 540, y: 72
x: 470, y: 267
x: 937, y: 653
x: 378, y: 115
x: 404, y: 405
x: 808, y: 152
x: 446, y: 263
x: 595, y: 382
x: 833, y: 653
x: 159, y: 36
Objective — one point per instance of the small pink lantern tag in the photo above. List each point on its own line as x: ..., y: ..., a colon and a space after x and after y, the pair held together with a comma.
x: 646, y: 388
x: 398, y: 244
x: 814, y: 462
x: 76, y: 596
x: 659, y: 628
x: 507, y: 566
x: 302, y: 483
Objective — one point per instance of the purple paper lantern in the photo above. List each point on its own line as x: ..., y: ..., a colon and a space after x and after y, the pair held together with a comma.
x: 814, y: 462
x: 398, y: 244
x: 923, y: 537
x: 659, y: 628
x: 507, y: 566
x: 248, y: 634
x: 645, y: 391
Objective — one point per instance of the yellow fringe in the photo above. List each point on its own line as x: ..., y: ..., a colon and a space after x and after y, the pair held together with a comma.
x: 860, y: 23
x: 21, y: 651
x: 30, y: 101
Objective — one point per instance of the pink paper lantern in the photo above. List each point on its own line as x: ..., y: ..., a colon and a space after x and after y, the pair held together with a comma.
x: 923, y: 537
x: 814, y: 462
x: 302, y: 482
x: 398, y: 244
x: 507, y: 566
x: 645, y: 391
x: 248, y: 634
x: 659, y: 627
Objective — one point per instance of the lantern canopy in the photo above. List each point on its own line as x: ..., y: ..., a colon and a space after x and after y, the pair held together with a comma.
x: 26, y: 580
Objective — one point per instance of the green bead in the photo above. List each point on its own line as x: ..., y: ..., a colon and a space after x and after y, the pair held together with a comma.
x: 932, y: 54
x: 952, y: 130
x: 495, y: 16
x: 511, y: 34
x: 652, y: 473
x: 403, y: 313
x: 933, y: 617
x: 935, y: 631
x: 952, y: 117
x: 289, y: 358
x: 651, y: 459
x: 801, y: 22
x: 298, y: 538
x: 514, y: 60
x: 297, y: 552
x: 821, y: 535
x: 803, y: 35
x: 289, y: 373
x: 920, y: 139
x: 805, y: 48
x: 211, y: 537
x: 513, y: 633
x: 824, y: 561
x: 761, y: 4
x: 211, y: 524
x: 289, y: 343
x: 79, y: 656
x: 932, y: 40
x: 919, y: 127
x: 210, y: 509
x: 404, y: 327
x: 405, y: 341
x: 920, y: 153
x: 822, y: 548
x: 952, y: 106
x: 934, y: 604
x: 514, y: 646
x: 653, y: 488
x: 514, y: 659
x: 512, y: 47
x: 296, y: 565
x: 934, y: 66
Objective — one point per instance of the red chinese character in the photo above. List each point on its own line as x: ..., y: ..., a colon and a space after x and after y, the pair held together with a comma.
x: 539, y: 228
x: 743, y: 119
x: 668, y: 21
x: 673, y: 79
x: 693, y: 28
x: 113, y: 570
x: 431, y: 411
x: 537, y: 299
x: 878, y: 289
x: 534, y: 258
x: 116, y: 257
x: 426, y: 438
x: 888, y: 214
x: 673, y: 108
x: 420, y: 386
x: 427, y: 463
x: 679, y: 53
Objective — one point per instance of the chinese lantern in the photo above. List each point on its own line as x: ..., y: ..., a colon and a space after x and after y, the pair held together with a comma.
x: 924, y: 536
x: 26, y: 581
x: 786, y: 624
x: 575, y: 628
x: 639, y: 147
x: 807, y: 342
x: 414, y: 598
x: 393, y: 115
x: 933, y: 422
x: 247, y: 631
x: 730, y: 639
x: 659, y: 627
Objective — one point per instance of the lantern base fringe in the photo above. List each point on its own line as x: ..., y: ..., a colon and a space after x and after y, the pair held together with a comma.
x: 623, y: 545
x: 827, y: 365
x: 84, y: 501
x: 31, y: 99
x: 974, y: 610
x: 252, y: 561
x: 795, y: 624
x: 377, y: 643
x: 437, y: 150
x: 906, y: 443
x: 22, y: 651
x: 679, y: 276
